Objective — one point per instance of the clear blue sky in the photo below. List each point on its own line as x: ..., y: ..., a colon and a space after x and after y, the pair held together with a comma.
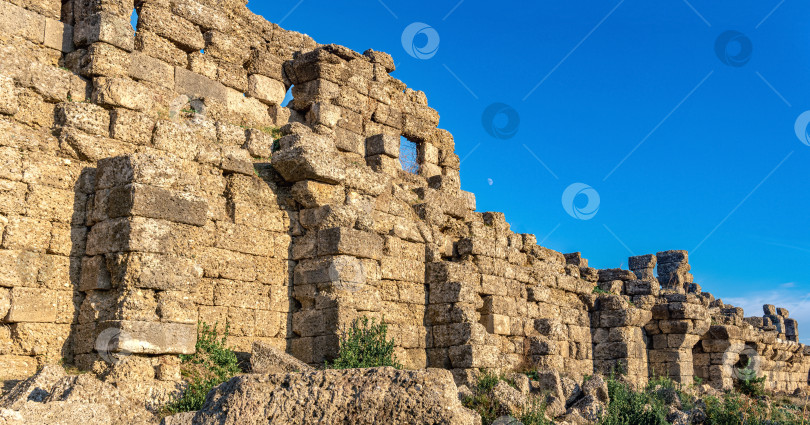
x: 704, y: 142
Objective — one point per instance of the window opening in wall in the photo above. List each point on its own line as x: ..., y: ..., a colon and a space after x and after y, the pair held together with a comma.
x: 408, y: 155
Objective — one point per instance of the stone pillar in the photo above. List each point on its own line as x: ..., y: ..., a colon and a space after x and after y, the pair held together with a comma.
x: 643, y: 266
x: 618, y: 338
x: 140, y: 268
x: 673, y: 270
x: 716, y: 355
x: 677, y: 325
x: 464, y: 326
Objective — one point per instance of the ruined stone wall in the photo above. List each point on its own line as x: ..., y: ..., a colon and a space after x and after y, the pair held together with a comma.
x: 152, y: 179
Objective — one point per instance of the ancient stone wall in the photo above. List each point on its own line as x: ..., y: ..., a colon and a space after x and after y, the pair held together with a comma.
x: 152, y: 179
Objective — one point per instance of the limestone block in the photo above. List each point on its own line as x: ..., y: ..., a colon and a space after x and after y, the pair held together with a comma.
x: 631, y: 316
x: 383, y: 144
x: 165, y: 24
x: 19, y: 268
x: 32, y: 305
x: 17, y: 367
x: 58, y: 36
x: 308, y: 157
x: 25, y: 233
x: 474, y: 356
x: 142, y: 235
x: 201, y: 15
x: 782, y: 312
x: 8, y: 98
x: 496, y: 323
x: 451, y: 292
x: 676, y: 326
x: 149, y: 169
x: 259, y: 144
x: 265, y: 62
x: 245, y: 239
x: 122, y: 92
x: 146, y: 68
x: 176, y: 307
x: 189, y: 83
x: 266, y: 89
x: 341, y: 240
x: 310, y: 92
x: 674, y: 256
x: 105, y: 27
x: 15, y: 20
x: 251, y: 295
x: 687, y: 311
x: 311, y: 194
x: 105, y: 60
x: 137, y: 200
x: 151, y: 271
x: 615, y: 274
x: 160, y: 48
x: 642, y: 286
x: 86, y: 117
x: 769, y: 309
x: 132, y: 127
x: 152, y: 337
x: 403, y: 269
x: 325, y: 114
x: 389, y: 116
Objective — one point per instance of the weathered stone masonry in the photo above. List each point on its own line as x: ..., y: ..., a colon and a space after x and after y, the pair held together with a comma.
x: 143, y: 188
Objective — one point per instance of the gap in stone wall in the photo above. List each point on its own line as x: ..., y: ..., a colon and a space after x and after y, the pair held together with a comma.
x: 134, y: 19
x: 408, y: 155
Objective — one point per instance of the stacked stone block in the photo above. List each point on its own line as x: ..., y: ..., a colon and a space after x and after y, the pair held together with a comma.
x: 619, y: 341
x: 157, y: 143
x: 673, y: 271
x: 717, y: 354
x: 679, y: 320
x: 139, y: 271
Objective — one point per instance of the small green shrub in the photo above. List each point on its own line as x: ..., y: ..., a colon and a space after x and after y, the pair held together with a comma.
x: 212, y: 364
x: 628, y: 407
x: 598, y: 290
x: 754, y: 387
x: 489, y: 409
x: 365, y: 344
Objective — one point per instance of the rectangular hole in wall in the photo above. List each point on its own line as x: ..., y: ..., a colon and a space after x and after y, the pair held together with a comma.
x: 408, y: 155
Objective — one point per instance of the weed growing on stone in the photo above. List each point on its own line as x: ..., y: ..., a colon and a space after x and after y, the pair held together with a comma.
x: 212, y: 364
x: 488, y: 407
x: 365, y: 344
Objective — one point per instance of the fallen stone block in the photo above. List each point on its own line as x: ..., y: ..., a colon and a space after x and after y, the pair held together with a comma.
x: 358, y: 396
x: 265, y: 358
